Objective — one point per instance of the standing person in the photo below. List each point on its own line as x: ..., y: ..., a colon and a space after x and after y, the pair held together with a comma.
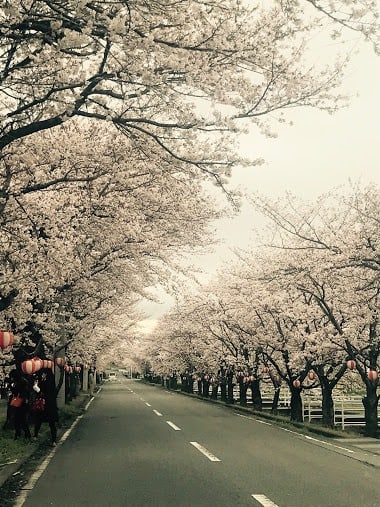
x: 45, y: 410
x: 18, y: 409
x: 91, y: 381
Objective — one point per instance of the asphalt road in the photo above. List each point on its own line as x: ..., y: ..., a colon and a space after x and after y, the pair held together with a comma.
x: 141, y: 446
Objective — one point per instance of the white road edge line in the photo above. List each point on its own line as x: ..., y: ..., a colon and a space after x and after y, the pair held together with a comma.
x: 204, y: 451
x: 264, y: 500
x: 21, y: 499
x: 157, y: 413
x: 148, y: 404
x: 173, y: 426
x: 254, y: 419
x: 300, y: 434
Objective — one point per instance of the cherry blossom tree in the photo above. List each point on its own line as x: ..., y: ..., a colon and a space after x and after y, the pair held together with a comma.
x: 341, y: 233
x: 88, y: 229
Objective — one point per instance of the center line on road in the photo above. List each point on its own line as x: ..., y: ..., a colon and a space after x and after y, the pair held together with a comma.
x: 173, y: 426
x: 157, y: 413
x: 204, y: 451
x: 264, y: 500
x: 148, y: 405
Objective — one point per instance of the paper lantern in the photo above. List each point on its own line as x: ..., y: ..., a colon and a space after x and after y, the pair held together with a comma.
x: 297, y: 383
x: 265, y: 369
x: 30, y: 366
x: 311, y: 375
x: 47, y: 363
x: 372, y: 375
x: 77, y: 369
x: 60, y: 361
x: 251, y: 378
x: 6, y: 339
x: 351, y: 364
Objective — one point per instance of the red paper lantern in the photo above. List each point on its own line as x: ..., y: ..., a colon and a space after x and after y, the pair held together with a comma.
x: 251, y: 378
x: 372, y: 375
x: 60, y: 361
x: 297, y: 383
x: 47, y: 363
x: 30, y: 366
x: 77, y: 369
x: 351, y: 364
x: 6, y: 339
x: 265, y: 369
x: 311, y: 375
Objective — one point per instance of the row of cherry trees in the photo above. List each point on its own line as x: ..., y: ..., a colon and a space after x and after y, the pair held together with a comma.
x: 302, y: 309
x: 112, y: 115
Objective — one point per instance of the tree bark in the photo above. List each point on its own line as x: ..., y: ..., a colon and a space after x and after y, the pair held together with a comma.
x: 275, y: 401
x: 327, y: 403
x: 370, y: 402
x: 295, y: 405
x: 257, y: 401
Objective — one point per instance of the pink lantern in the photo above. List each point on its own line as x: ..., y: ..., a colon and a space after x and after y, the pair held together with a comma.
x: 47, y: 363
x: 251, y: 378
x: 372, y: 375
x: 297, y: 383
x: 311, y: 375
x: 30, y: 366
x: 60, y: 361
x: 351, y: 364
x: 77, y: 369
x: 265, y: 369
x: 6, y: 339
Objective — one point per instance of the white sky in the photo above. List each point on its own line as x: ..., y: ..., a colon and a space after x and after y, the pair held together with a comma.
x: 318, y: 153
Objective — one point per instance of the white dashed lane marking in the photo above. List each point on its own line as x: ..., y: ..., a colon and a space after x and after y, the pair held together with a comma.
x: 157, y: 413
x: 204, y: 451
x: 172, y: 425
x: 264, y: 500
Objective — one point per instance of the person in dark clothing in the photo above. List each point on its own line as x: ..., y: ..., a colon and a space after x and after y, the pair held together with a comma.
x: 19, y: 387
x: 44, y: 387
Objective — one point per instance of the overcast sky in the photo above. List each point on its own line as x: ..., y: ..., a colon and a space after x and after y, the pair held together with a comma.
x: 317, y: 154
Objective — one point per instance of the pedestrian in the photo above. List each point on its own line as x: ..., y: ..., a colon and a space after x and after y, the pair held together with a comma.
x: 91, y: 381
x: 44, y: 406
x: 19, y: 403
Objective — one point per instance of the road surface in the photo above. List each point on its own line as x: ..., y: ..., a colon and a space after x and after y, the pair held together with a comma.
x: 139, y: 445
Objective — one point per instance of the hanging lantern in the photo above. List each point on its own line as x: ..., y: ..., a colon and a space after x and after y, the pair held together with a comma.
x: 47, y: 363
x: 60, y: 361
x: 311, y: 375
x: 252, y: 378
x: 30, y: 366
x: 277, y: 379
x: 296, y: 383
x: 372, y: 375
x: 265, y: 369
x: 6, y: 339
x: 77, y: 369
x: 351, y: 364
x: 66, y: 368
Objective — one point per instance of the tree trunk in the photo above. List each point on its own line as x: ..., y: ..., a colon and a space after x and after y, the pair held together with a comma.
x: 370, y: 402
x: 295, y: 405
x: 230, y: 389
x: 214, y: 391
x: 327, y: 403
x: 275, y: 401
x: 223, y: 389
x: 242, y: 393
x: 257, y: 402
